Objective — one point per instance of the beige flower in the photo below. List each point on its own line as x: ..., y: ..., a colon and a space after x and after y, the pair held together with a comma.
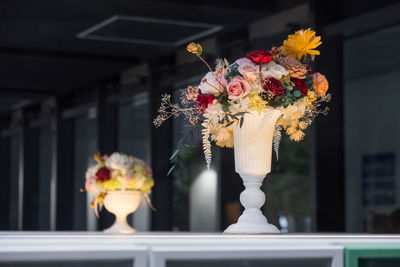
x: 303, y: 125
x: 225, y: 140
x: 223, y: 136
x: 320, y: 83
x: 297, y: 136
x: 291, y: 130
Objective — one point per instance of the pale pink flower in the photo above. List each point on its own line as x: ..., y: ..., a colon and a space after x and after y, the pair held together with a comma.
x: 248, y: 69
x: 273, y: 70
x: 238, y: 88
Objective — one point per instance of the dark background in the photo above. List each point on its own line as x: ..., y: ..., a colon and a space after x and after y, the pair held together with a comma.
x: 65, y: 95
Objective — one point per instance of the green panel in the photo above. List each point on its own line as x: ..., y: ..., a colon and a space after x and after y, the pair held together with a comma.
x: 372, y: 256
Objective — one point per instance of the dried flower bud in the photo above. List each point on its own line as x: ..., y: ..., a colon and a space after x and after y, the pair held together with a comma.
x: 275, y: 50
x: 98, y: 158
x: 194, y: 48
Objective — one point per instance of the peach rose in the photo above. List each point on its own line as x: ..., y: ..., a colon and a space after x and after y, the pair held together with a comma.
x: 238, y: 88
x: 320, y: 84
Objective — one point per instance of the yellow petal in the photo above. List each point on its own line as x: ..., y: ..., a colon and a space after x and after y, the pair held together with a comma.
x: 301, y: 43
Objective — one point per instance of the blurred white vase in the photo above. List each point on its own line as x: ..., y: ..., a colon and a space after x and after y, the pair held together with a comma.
x: 121, y: 204
x: 253, y: 154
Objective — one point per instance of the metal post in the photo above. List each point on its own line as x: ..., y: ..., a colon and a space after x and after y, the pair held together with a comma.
x: 21, y: 169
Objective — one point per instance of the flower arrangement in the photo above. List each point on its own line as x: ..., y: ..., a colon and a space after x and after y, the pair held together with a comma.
x: 117, y: 172
x: 279, y: 78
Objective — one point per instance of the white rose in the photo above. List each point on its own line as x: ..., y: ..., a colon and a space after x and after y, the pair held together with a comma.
x: 119, y: 161
x: 210, y: 85
x: 214, y: 112
x: 273, y: 70
x: 248, y: 69
x: 241, y: 106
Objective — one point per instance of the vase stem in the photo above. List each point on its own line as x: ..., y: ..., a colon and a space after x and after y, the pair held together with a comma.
x: 252, y: 199
x: 121, y: 219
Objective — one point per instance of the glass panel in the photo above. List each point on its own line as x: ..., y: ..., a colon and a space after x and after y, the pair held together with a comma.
x: 14, y: 171
x: 134, y: 127
x: 85, y: 146
x: 371, y: 133
x: 193, y: 183
x: 45, y: 164
x: 134, y: 139
x: 288, y: 187
x: 250, y: 263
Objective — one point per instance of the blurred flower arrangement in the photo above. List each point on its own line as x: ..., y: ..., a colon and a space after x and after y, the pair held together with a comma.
x: 118, y: 172
x: 279, y: 78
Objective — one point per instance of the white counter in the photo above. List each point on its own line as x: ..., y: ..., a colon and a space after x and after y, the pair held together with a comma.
x: 155, y: 249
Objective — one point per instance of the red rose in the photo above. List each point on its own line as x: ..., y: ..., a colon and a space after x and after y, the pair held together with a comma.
x: 103, y: 174
x: 202, y: 102
x: 260, y: 56
x: 301, y: 85
x: 273, y: 87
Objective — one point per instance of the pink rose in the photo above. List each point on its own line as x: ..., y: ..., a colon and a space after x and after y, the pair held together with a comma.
x: 248, y: 69
x: 238, y: 88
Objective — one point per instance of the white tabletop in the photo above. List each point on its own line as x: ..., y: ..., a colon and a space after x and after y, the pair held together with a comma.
x: 154, y: 249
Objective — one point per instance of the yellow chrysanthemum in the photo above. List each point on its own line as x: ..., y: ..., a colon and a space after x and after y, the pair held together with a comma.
x: 111, y: 185
x: 257, y: 103
x: 301, y: 43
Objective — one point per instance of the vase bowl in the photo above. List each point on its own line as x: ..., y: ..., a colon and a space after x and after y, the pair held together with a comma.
x: 121, y: 204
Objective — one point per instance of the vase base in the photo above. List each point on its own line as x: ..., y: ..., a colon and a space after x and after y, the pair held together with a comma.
x: 249, y: 228
x: 120, y: 228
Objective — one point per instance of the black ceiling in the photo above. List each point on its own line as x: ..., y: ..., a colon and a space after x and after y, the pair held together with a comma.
x: 40, y: 52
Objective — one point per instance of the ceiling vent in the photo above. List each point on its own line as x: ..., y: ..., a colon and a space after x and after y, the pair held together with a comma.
x: 148, y: 31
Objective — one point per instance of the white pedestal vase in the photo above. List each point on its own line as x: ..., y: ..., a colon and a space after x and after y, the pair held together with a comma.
x: 253, y: 154
x: 121, y: 204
